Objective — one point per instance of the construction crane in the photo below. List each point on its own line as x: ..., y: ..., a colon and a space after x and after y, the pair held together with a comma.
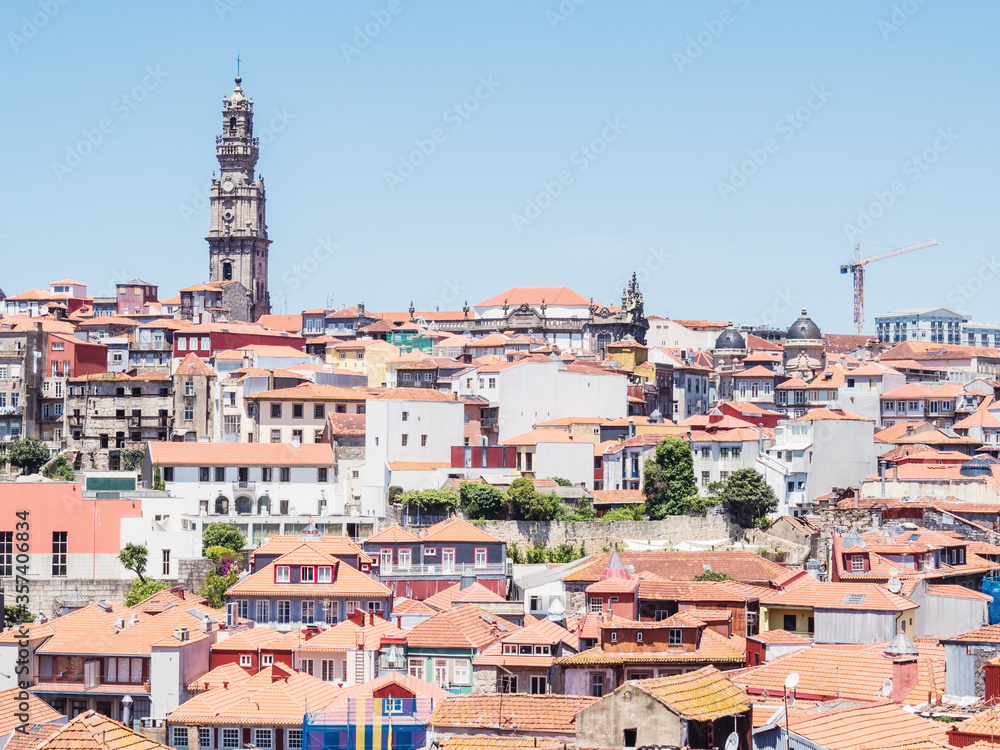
x: 857, y: 267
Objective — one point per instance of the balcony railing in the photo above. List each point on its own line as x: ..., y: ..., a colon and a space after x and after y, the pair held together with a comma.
x: 247, y: 486
x: 80, y: 683
x: 458, y: 569
x: 388, y: 665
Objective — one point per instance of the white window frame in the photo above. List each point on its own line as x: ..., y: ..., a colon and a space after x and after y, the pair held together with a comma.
x: 460, y: 673
x: 229, y: 741
x: 266, y: 660
x: 307, y: 574
x: 324, y: 574
x: 246, y: 660
x: 481, y: 565
x: 180, y: 738
x: 293, y: 739
x: 265, y: 734
x: 283, y: 574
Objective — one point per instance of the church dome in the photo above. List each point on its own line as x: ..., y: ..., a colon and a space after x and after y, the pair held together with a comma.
x: 803, y: 328
x: 730, y: 338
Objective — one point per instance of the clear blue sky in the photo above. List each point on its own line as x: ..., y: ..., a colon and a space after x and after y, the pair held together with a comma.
x: 445, y: 232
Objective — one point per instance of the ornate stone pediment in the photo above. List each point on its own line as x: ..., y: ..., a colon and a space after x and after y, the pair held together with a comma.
x: 524, y: 315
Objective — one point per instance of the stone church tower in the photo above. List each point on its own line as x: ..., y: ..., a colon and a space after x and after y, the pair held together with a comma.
x: 237, y: 234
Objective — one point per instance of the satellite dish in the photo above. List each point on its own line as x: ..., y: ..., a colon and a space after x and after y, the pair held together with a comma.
x: 895, y: 585
x: 886, y: 690
x: 732, y: 741
x: 791, y: 681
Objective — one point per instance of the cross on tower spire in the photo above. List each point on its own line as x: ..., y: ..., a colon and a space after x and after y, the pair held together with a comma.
x: 238, y: 64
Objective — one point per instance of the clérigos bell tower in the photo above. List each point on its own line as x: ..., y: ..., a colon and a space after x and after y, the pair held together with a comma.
x: 237, y: 235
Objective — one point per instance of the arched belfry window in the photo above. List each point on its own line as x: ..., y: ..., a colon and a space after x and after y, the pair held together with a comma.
x: 232, y: 123
x: 227, y: 271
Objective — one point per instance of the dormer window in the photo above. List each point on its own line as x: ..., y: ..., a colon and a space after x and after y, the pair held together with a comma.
x: 673, y: 637
x: 307, y: 574
x: 325, y: 574
x: 509, y: 649
x: 282, y: 574
x: 857, y: 563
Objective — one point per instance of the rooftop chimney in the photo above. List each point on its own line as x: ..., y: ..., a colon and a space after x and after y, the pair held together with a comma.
x: 904, y: 677
x: 206, y: 624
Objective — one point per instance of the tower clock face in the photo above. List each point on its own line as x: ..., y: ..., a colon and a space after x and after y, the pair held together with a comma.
x: 227, y: 215
x: 227, y: 185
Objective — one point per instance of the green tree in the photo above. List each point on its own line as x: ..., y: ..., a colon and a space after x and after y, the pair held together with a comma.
x: 29, y: 454
x: 395, y: 492
x: 158, y: 483
x: 222, y: 535
x: 132, y: 458
x: 215, y: 586
x: 434, y: 501
x: 535, y: 554
x: 143, y: 590
x: 528, y: 504
x: 629, y: 513
x: 16, y: 614
x: 482, y: 501
x: 562, y: 482
x: 514, y: 553
x: 134, y: 557
x: 713, y: 575
x: 747, y: 497
x: 668, y: 481
x: 584, y: 511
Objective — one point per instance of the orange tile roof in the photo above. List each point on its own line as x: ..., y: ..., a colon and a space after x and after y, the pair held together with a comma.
x: 248, y: 640
x: 39, y: 711
x: 311, y: 392
x: 988, y: 634
x: 91, y: 731
x: 534, y: 295
x: 331, y: 545
x: 779, y: 637
x: 467, y: 626
x: 957, y: 592
x: 415, y: 394
x: 241, y: 454
x: 755, y: 372
x: 533, y: 437
x: 880, y: 726
x: 815, y: 415
x: 703, y: 695
x: 290, y: 323
x: 713, y: 647
x: 607, y: 497
x: 156, y: 603
x: 220, y: 677
x: 985, y: 723
x: 346, y: 635
x: 404, y: 606
x: 923, y: 350
x: 192, y: 364
x: 657, y: 589
x: 347, y: 582
x: 510, y: 711
x: 827, y: 595
x: 854, y: 672
x: 393, y: 534
x: 449, y: 597
x: 496, y: 742
x: 276, y: 696
x: 745, y: 567
x: 414, y: 685
x: 793, y: 382
x: 115, y: 377
x: 455, y: 529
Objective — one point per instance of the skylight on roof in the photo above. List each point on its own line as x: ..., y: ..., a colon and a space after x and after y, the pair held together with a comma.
x: 913, y: 537
x: 855, y: 599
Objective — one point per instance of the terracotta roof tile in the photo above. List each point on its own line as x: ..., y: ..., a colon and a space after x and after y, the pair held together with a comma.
x: 394, y: 533
x: 346, y: 635
x: 241, y: 454
x: 192, y: 364
x: 220, y: 676
x: 510, y: 711
x: 92, y: 731
x: 347, y: 582
x: 616, y: 497
x: 703, y: 695
x: 779, y: 637
x: 467, y: 626
x: 39, y: 711
x: 331, y: 545
x: 880, y: 726
x: 495, y: 742
x: 745, y: 567
x: 311, y: 392
x: 449, y: 597
x: 455, y: 529
x: 560, y: 296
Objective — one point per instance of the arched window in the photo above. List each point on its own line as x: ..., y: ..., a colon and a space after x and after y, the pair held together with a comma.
x: 232, y: 123
x: 227, y: 271
x: 264, y: 504
x: 244, y: 505
x: 222, y: 505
